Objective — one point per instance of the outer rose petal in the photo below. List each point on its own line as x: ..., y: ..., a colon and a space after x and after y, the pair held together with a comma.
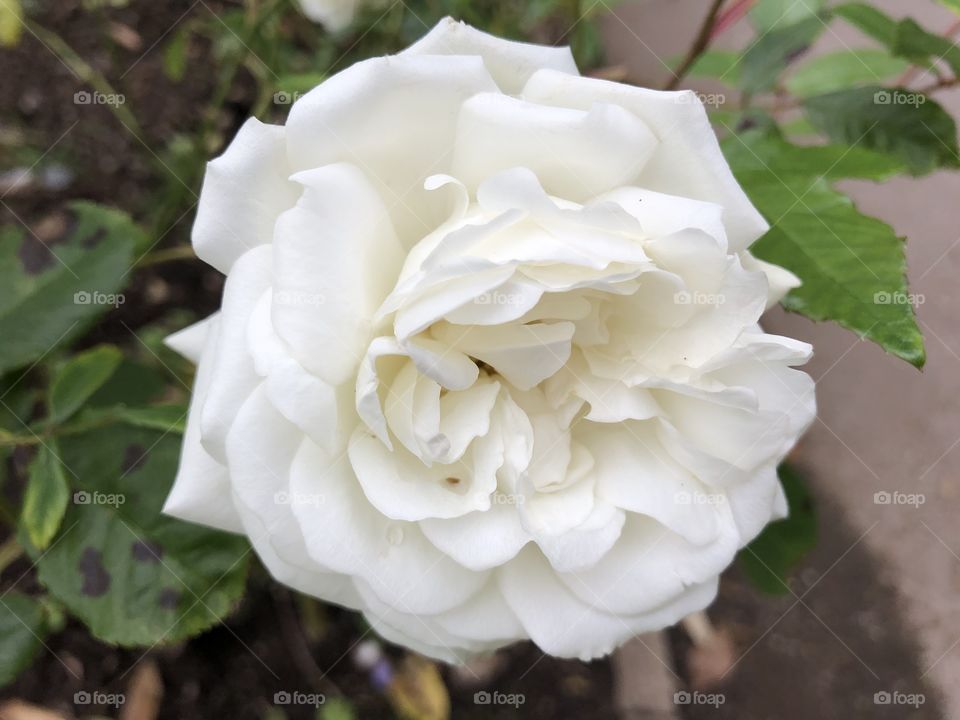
x: 566, y: 625
x: 201, y: 491
x: 394, y: 117
x: 232, y: 365
x: 511, y: 63
x: 344, y: 533
x: 335, y: 258
x: 575, y: 154
x: 260, y: 447
x: 244, y: 190
x: 687, y: 161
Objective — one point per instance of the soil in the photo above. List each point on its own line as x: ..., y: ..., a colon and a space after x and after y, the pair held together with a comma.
x: 822, y: 651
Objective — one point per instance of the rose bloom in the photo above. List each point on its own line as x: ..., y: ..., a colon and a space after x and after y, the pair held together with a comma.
x: 334, y: 15
x: 488, y: 366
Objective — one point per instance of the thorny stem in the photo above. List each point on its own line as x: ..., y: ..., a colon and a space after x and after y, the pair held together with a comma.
x: 700, y: 44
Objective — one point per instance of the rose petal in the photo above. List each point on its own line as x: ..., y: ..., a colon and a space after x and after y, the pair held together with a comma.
x: 335, y: 259
x: 510, y: 63
x: 343, y: 532
x: 232, y: 365
x: 394, y: 117
x: 244, y: 191
x: 576, y: 154
x: 687, y: 161
x: 201, y: 490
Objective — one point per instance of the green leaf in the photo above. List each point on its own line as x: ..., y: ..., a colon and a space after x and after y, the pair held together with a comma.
x: 722, y: 65
x: 80, y: 378
x: 843, y: 69
x: 49, y: 294
x: 300, y: 83
x: 336, y: 708
x: 770, y: 54
x: 768, y: 560
x: 852, y: 266
x: 923, y: 48
x: 758, y: 152
x: 133, y: 384
x: 11, y: 22
x: 769, y: 14
x: 132, y: 574
x: 46, y: 496
x: 898, y: 121
x: 952, y: 4
x: 869, y: 20
x: 905, y: 38
x: 166, y: 418
x: 175, y: 55
x: 22, y: 630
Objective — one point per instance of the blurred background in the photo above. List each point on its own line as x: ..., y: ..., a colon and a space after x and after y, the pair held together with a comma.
x: 121, y: 102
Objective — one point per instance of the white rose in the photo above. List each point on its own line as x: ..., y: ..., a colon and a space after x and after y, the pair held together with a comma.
x: 488, y: 365
x: 334, y: 15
